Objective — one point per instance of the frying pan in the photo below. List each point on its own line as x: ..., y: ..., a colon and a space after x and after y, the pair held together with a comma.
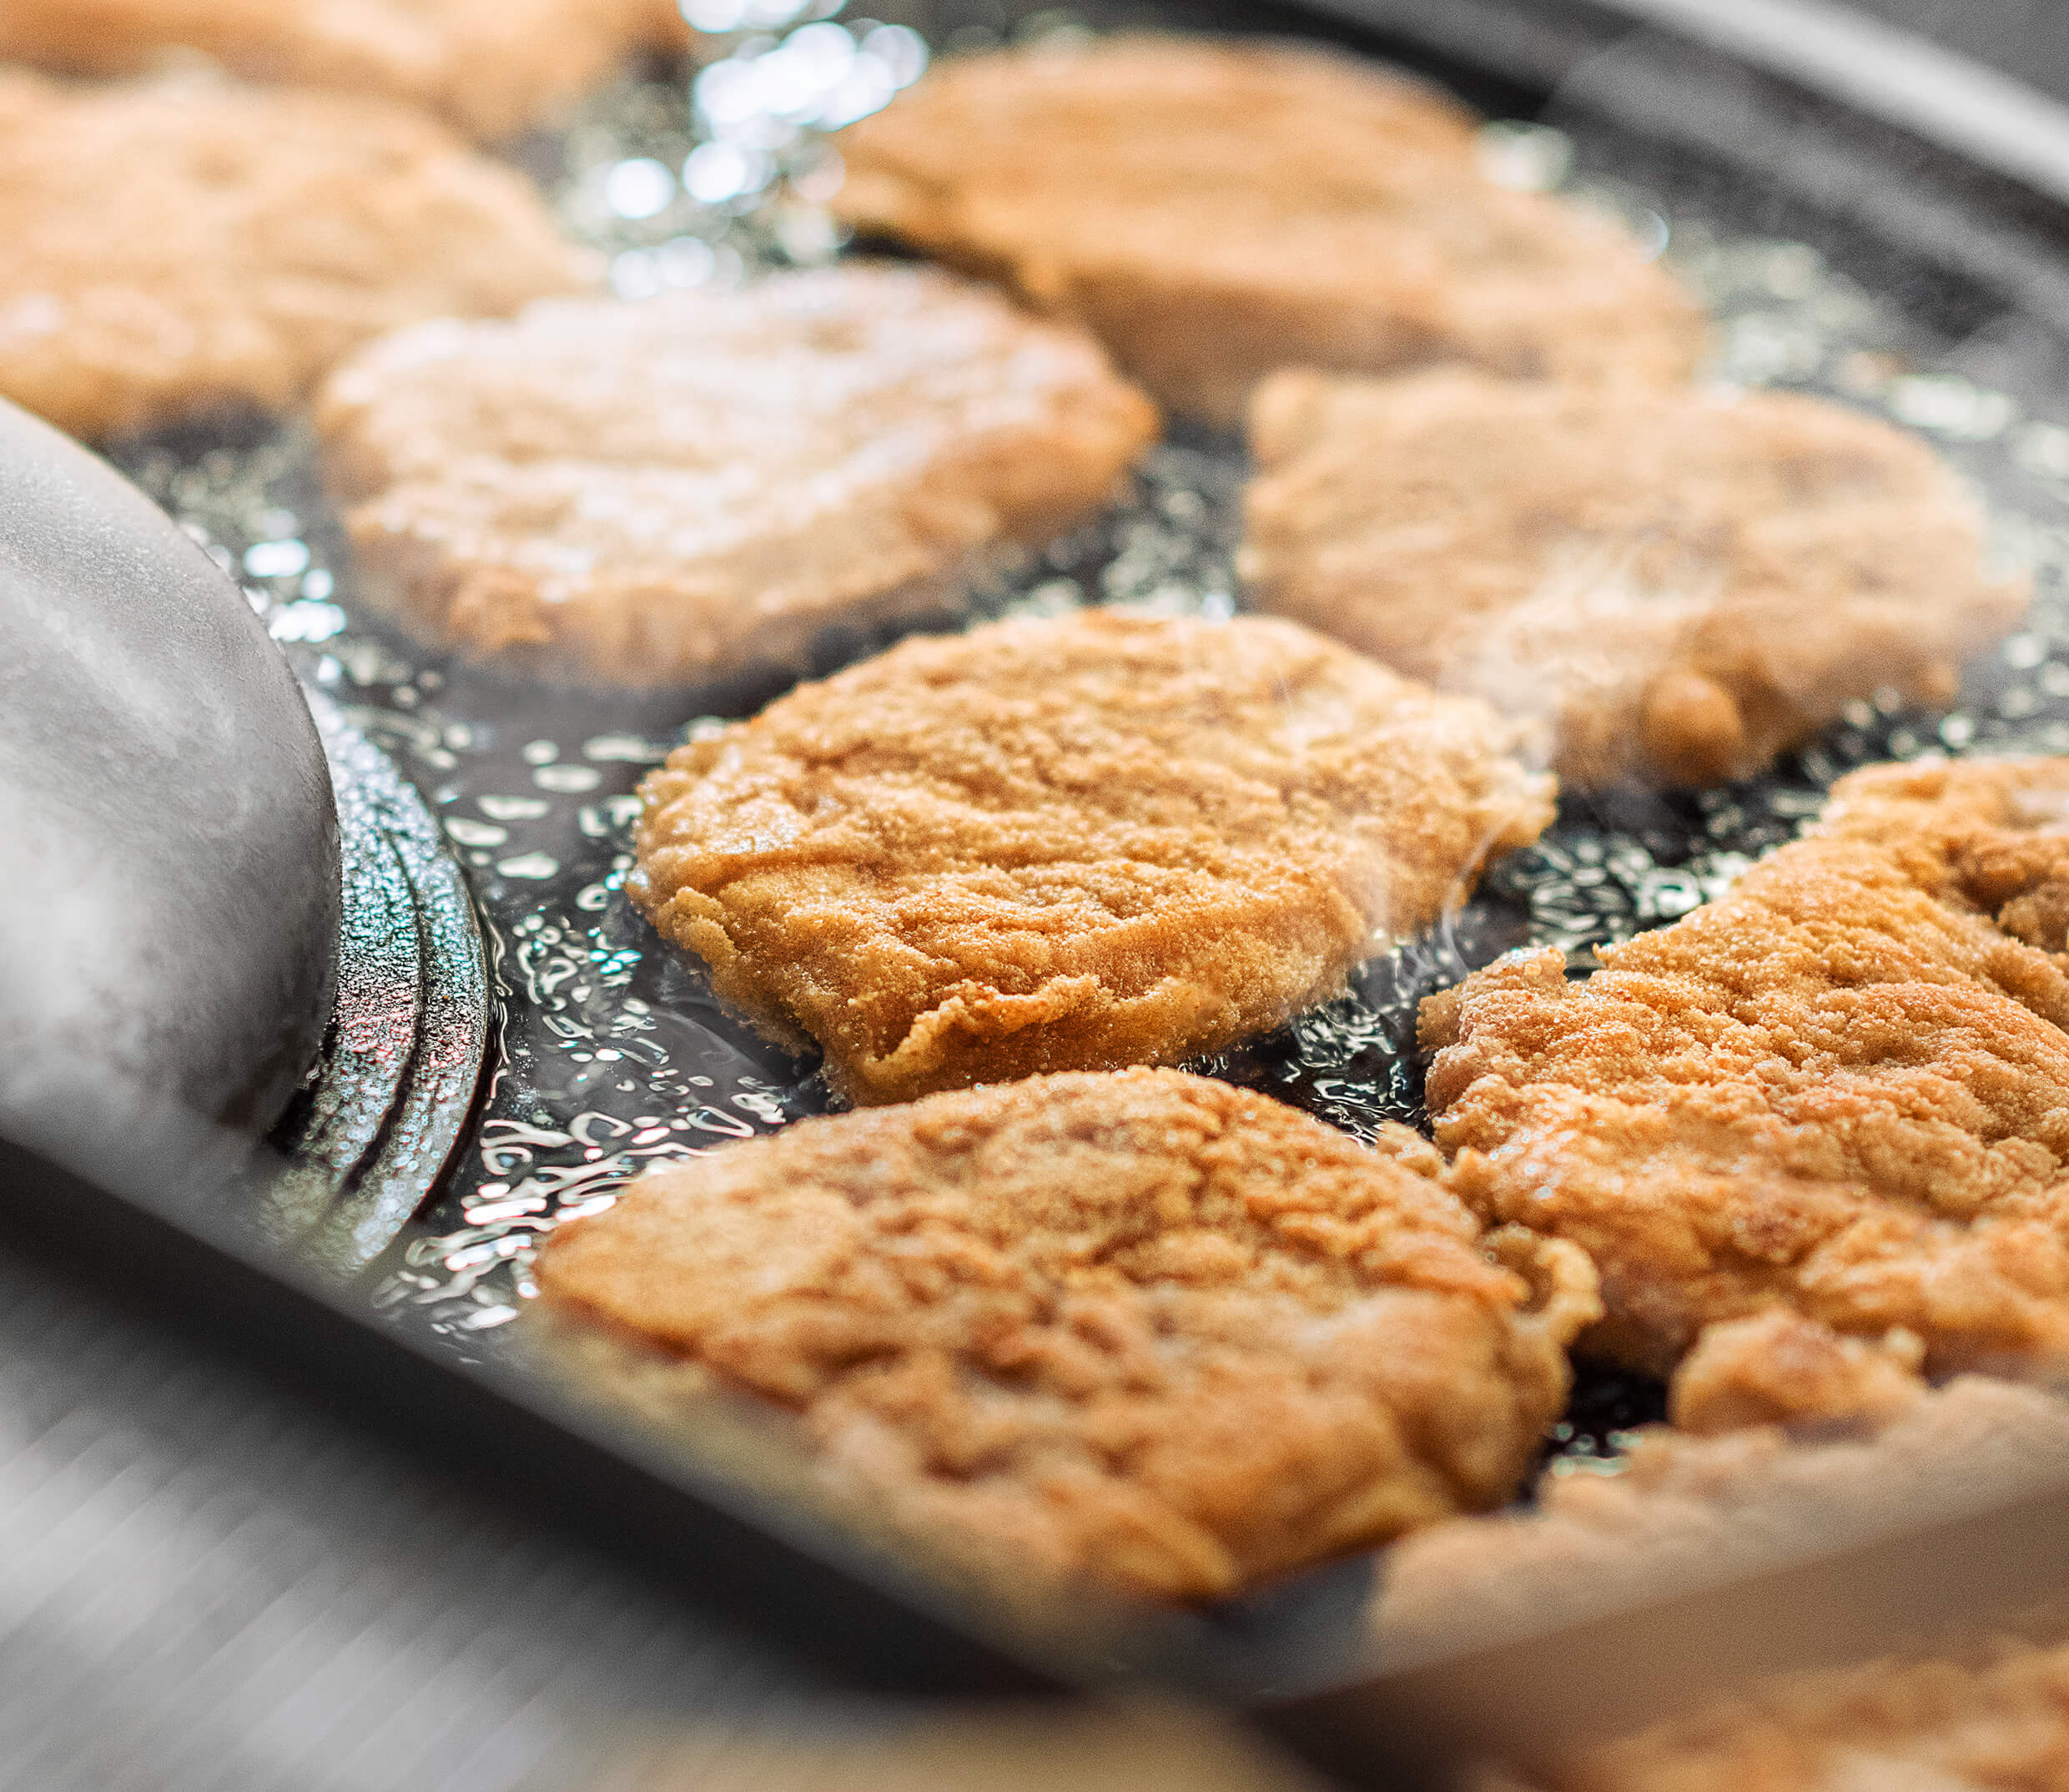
x: 172, y: 896
x: 354, y: 1047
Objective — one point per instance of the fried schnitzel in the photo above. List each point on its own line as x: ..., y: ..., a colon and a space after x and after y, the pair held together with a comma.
x: 1075, y: 843
x: 1682, y: 584
x: 1838, y: 1089
x: 668, y: 491
x: 1143, y: 1327
x: 1214, y: 210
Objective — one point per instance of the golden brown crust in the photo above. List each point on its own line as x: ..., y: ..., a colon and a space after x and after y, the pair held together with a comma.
x: 1687, y: 1512
x: 241, y: 241
x: 1683, y: 584
x: 493, y: 68
x: 1776, y: 1367
x: 1216, y: 210
x: 655, y: 492
x: 1144, y: 1327
x: 1838, y: 1089
x: 1893, y: 1725
x: 1071, y: 844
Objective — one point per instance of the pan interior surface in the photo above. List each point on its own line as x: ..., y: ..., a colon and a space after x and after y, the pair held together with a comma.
x: 1838, y: 258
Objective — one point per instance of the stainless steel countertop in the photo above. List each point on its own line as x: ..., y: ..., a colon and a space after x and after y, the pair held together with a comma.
x: 207, y: 1582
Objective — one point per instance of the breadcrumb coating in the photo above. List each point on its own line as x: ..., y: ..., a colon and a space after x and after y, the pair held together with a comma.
x: 1838, y: 1089
x: 493, y: 68
x: 1685, y: 1511
x: 1144, y: 1327
x: 1996, y: 1725
x: 1071, y: 844
x: 178, y: 247
x: 1217, y: 209
x: 1778, y: 1368
x: 684, y: 487
x: 1682, y: 584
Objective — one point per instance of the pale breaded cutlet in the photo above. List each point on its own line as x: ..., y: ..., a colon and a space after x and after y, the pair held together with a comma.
x: 1214, y: 210
x: 180, y: 247
x: 1681, y: 1511
x: 1685, y: 1512
x: 1141, y: 1328
x: 1993, y: 1721
x: 1837, y: 1091
x: 491, y: 68
x: 660, y: 492
x: 1073, y: 844
x: 1682, y: 584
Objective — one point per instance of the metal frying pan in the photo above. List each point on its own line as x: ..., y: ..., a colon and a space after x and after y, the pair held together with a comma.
x: 216, y: 906
x: 170, y: 908
x: 1906, y: 205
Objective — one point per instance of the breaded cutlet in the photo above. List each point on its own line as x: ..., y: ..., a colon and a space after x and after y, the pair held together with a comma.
x: 1214, y: 210
x: 1143, y: 1329
x: 678, y: 489
x: 1838, y: 1089
x: 1683, y: 585
x: 1074, y: 844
